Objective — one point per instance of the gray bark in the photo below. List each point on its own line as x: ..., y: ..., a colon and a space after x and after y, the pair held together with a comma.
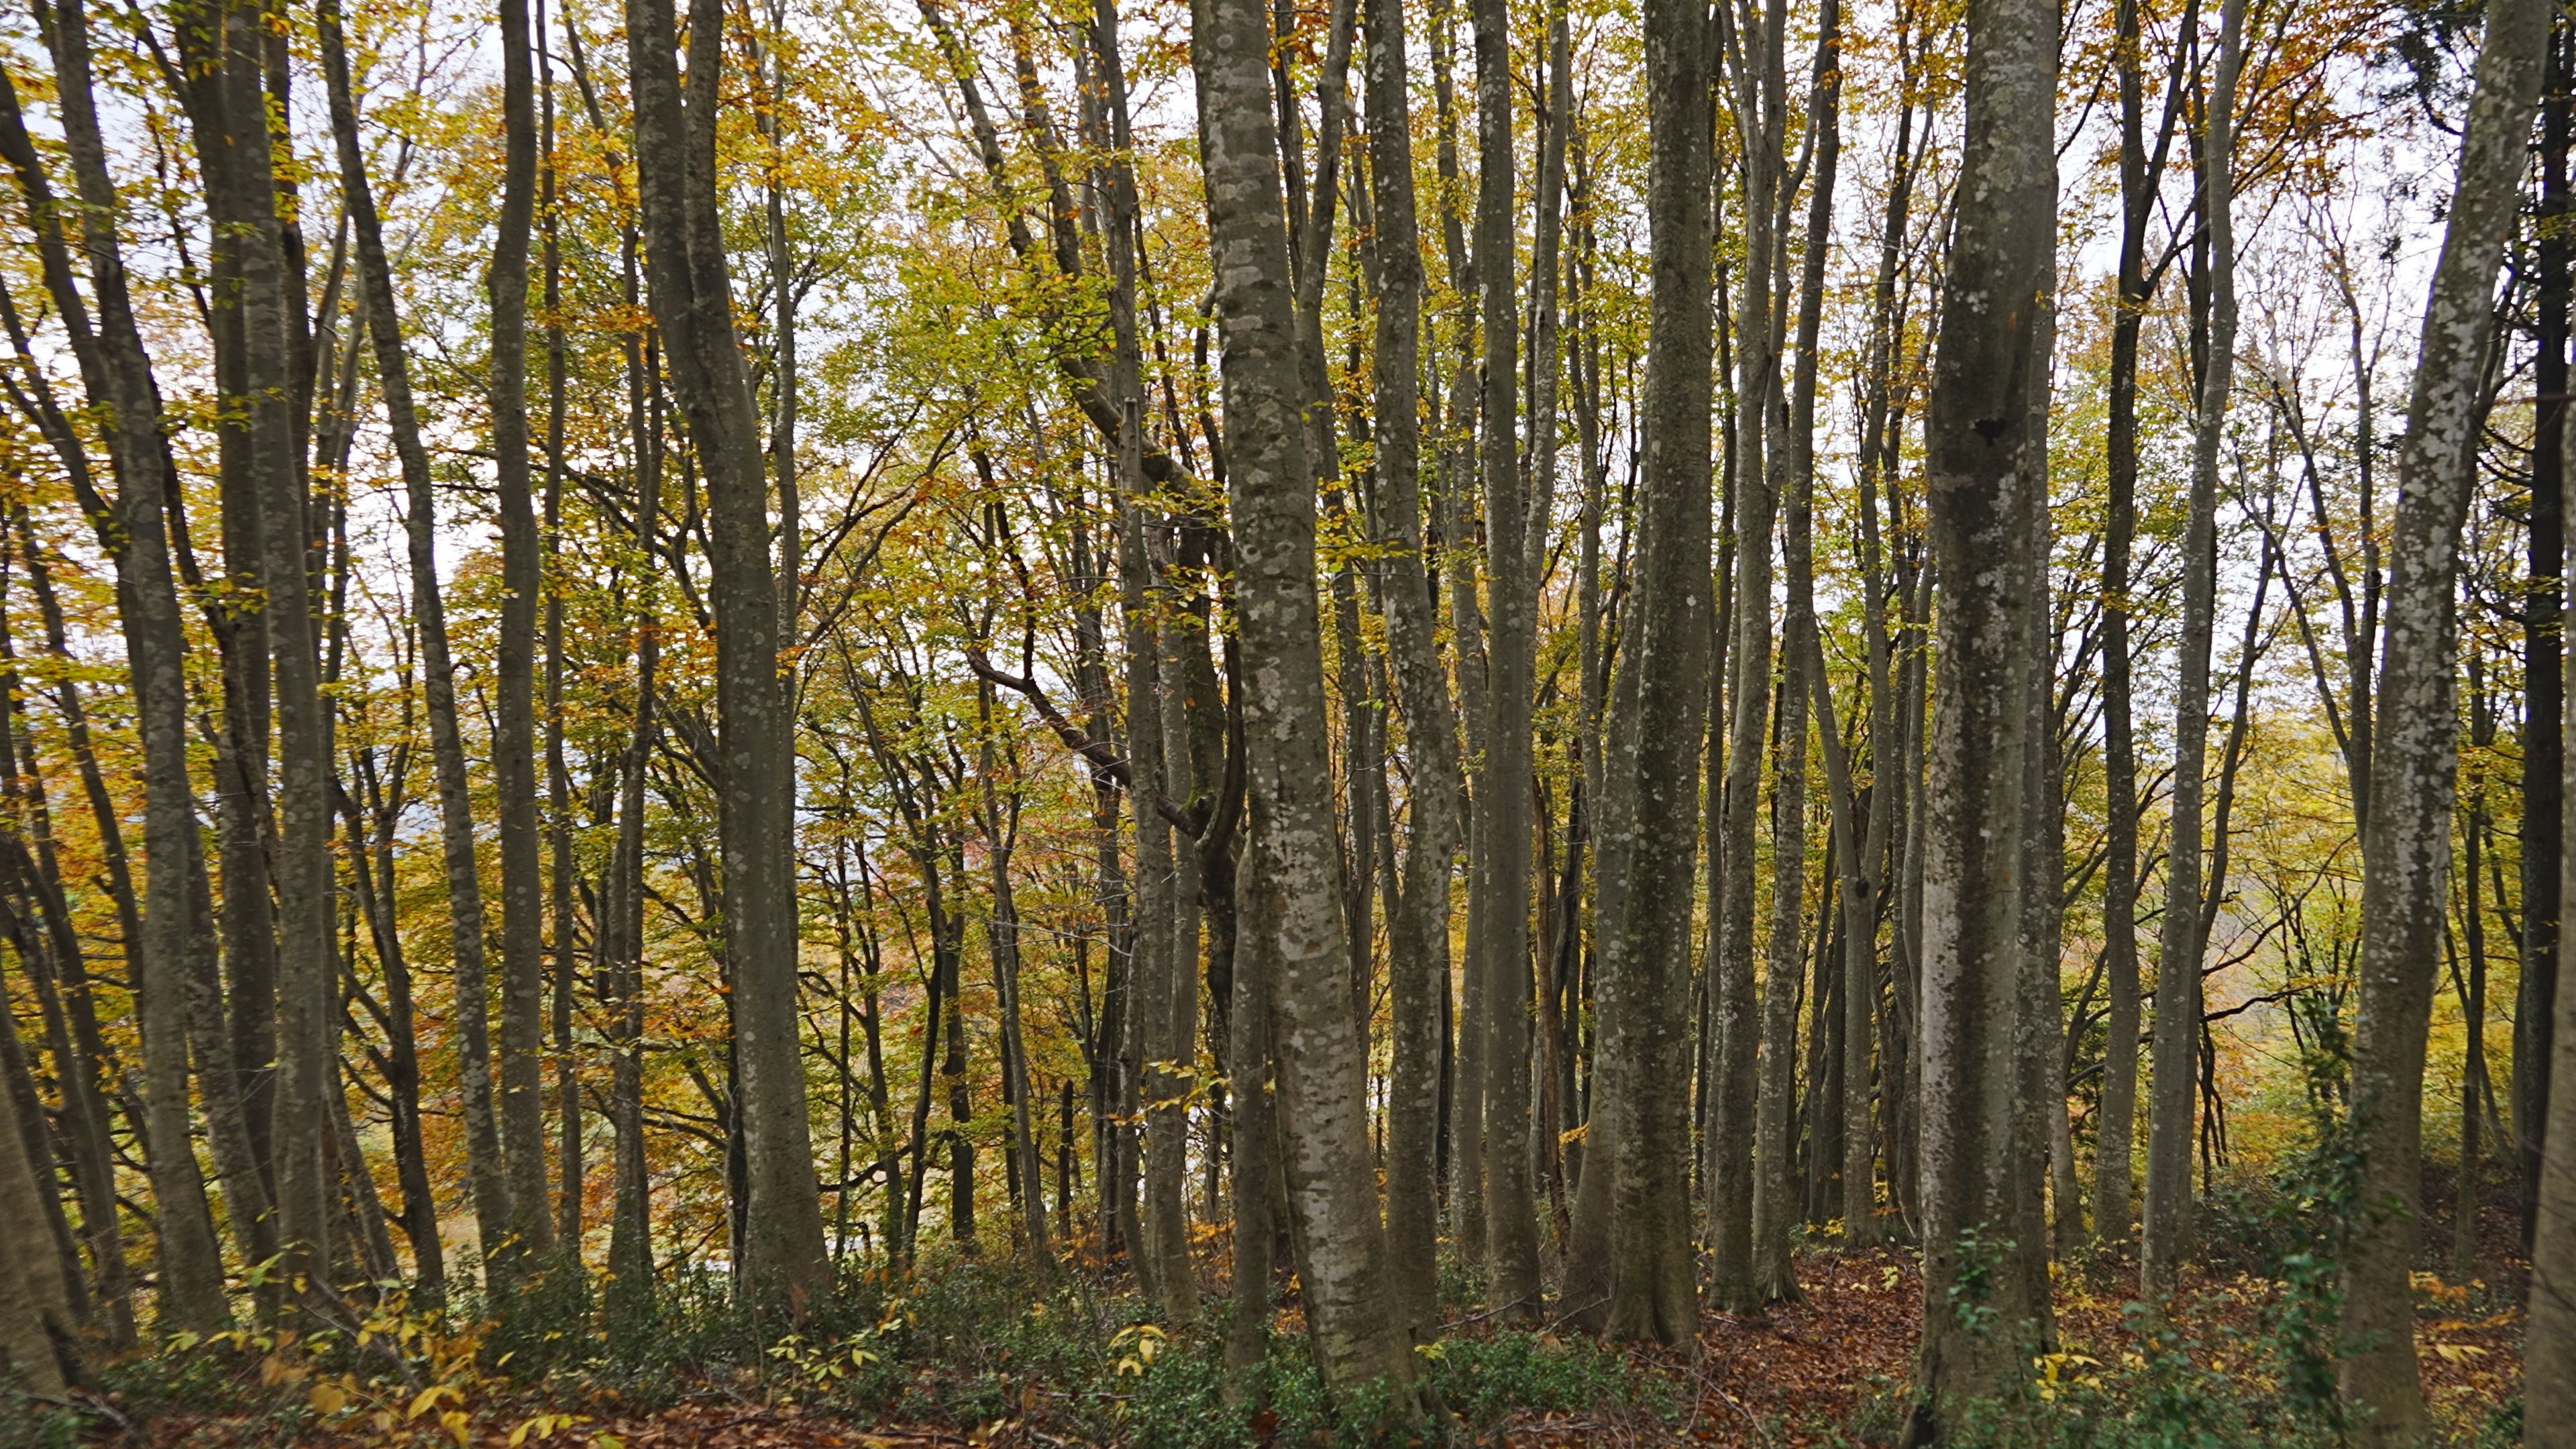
x: 1654, y: 1289
x: 1985, y: 1284
x: 1733, y: 1172
x: 1419, y: 936
x: 514, y: 745
x: 785, y: 1265
x: 1501, y: 858
x: 1457, y: 481
x: 1296, y: 936
x: 270, y: 307
x: 37, y: 1326
x: 490, y: 1186
x: 2413, y: 762
x: 116, y: 372
x: 2167, y: 1225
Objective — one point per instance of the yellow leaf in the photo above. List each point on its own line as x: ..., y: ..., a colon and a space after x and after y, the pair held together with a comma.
x: 328, y: 1397
x: 458, y: 1427
x: 428, y: 1398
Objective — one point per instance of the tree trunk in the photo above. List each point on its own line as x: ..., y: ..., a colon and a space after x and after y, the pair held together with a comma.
x: 1457, y: 480
x: 38, y: 1330
x: 786, y: 1264
x: 514, y: 753
x: 1734, y: 1166
x: 1654, y: 1288
x: 620, y: 939
x: 1985, y: 1284
x: 1297, y: 937
x: 490, y: 1185
x: 2549, y: 1343
x: 270, y: 313
x: 2117, y: 1115
x: 2544, y: 673
x: 1501, y: 869
x: 1419, y: 937
x: 1792, y: 464
x: 2413, y: 763
x: 2167, y: 1229
x: 560, y: 868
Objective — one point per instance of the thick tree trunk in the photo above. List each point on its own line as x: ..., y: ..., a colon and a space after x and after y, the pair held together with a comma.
x: 1654, y: 1288
x: 38, y: 1330
x: 270, y: 313
x: 1296, y: 938
x: 786, y: 1266
x: 2413, y: 763
x: 1985, y: 1284
x: 2549, y: 1343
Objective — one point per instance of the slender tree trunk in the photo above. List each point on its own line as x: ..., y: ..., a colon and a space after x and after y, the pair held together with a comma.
x: 490, y: 1185
x: 620, y: 939
x: 569, y: 1168
x: 1735, y: 1166
x: 514, y: 745
x: 1175, y: 1010
x: 2117, y: 1114
x: 371, y: 861
x: 1501, y: 869
x: 1792, y: 464
x: 1419, y: 937
x: 1457, y: 481
x: 50, y: 950
x: 2167, y: 1233
x: 2467, y: 1184
x: 1256, y: 1140
x: 2544, y: 673
x: 2413, y: 763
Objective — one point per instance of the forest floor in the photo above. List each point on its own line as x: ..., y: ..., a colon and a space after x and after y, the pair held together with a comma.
x: 1825, y: 1372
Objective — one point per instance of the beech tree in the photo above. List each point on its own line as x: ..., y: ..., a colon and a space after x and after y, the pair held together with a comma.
x: 1985, y: 1278
x: 2415, y: 751
x: 826, y: 647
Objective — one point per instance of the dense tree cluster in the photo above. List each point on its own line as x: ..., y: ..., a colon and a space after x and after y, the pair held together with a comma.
x: 1581, y: 640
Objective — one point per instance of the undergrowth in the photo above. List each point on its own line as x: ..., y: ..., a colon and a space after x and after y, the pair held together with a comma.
x: 963, y: 1344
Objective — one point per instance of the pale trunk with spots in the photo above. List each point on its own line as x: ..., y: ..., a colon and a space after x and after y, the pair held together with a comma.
x: 2406, y: 840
